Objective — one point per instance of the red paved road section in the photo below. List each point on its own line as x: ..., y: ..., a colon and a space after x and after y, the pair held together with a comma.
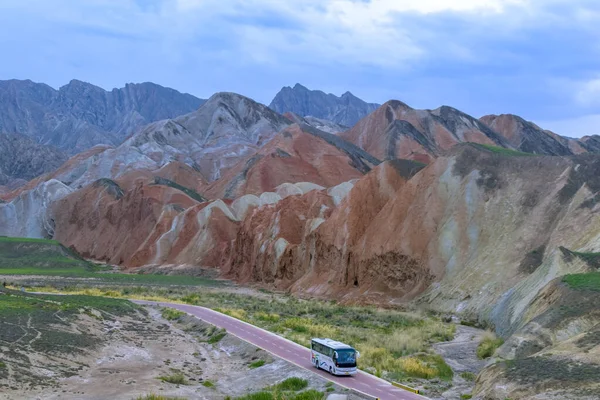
x: 291, y: 352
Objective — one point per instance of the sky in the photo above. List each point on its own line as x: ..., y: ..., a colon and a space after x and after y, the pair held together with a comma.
x: 539, y: 59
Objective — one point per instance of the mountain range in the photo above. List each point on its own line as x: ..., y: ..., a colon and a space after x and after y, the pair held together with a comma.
x: 345, y: 110
x: 80, y: 115
x: 481, y: 219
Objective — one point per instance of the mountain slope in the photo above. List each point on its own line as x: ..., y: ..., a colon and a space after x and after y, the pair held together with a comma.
x: 80, y: 115
x: 300, y: 153
x: 21, y: 159
x: 345, y: 110
x: 224, y: 130
x: 530, y: 138
x: 396, y: 130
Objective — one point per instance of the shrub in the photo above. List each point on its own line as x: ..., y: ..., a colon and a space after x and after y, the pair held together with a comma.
x: 309, y: 395
x: 468, y: 376
x: 176, y: 379
x: 293, y: 383
x: 488, y: 346
x: 257, y: 364
x: 171, y: 314
x: 208, y: 384
x: 216, y: 338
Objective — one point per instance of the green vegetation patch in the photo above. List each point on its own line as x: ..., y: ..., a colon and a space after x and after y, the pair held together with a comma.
x: 503, y: 151
x: 176, y: 378
x: 190, y: 192
x: 256, y: 364
x: 158, y: 397
x: 488, y: 346
x: 468, y: 376
x: 278, y: 395
x: 24, y: 256
x: 208, y: 384
x: 589, y: 281
x: 292, y: 384
x: 171, y: 314
x: 217, y: 337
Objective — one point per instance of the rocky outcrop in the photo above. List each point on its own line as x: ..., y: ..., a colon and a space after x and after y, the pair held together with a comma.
x: 319, y: 123
x: 555, y: 354
x: 30, y: 214
x: 396, y: 130
x: 80, y: 115
x: 104, y: 222
x: 21, y: 160
x: 345, y: 110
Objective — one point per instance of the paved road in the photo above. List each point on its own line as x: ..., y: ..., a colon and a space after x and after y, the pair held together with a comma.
x: 291, y: 352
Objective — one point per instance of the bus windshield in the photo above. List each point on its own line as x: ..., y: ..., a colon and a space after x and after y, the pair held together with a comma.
x: 346, y: 357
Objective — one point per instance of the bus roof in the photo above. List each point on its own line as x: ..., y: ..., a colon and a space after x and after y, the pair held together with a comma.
x: 332, y: 343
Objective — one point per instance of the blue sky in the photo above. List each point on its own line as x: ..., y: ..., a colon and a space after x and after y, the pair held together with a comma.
x: 536, y: 58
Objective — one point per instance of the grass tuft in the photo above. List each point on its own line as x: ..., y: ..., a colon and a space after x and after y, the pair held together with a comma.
x: 589, y: 281
x: 171, y: 314
x: 256, y: 364
x: 176, y: 379
x: 293, y: 384
x: 208, y: 384
x: 488, y: 345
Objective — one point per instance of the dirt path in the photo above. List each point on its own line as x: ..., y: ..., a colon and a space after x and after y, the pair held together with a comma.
x: 461, y: 355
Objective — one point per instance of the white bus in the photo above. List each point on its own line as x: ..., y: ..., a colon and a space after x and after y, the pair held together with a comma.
x: 336, y: 357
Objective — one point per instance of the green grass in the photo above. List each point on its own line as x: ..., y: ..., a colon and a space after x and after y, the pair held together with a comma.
x: 216, y: 338
x: 292, y: 384
x: 276, y: 395
x: 488, y: 346
x: 466, y: 396
x: 190, y: 192
x: 208, y: 384
x: 589, y: 281
x: 24, y: 256
x: 468, y: 376
x: 2, y: 365
x: 171, y: 314
x: 158, y: 397
x: 177, y: 379
x: 503, y: 151
x: 256, y: 364
x: 7, y: 239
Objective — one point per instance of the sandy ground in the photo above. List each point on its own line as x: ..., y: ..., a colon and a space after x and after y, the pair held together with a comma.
x: 131, y: 362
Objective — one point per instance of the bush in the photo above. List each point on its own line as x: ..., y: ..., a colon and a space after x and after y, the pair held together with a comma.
x: 171, y: 314
x: 294, y: 384
x: 468, y: 376
x: 309, y: 395
x: 208, y: 384
x: 176, y: 379
x: 257, y: 364
x: 488, y: 346
x: 216, y: 338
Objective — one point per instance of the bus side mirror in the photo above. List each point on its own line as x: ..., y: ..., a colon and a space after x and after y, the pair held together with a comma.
x: 358, y: 354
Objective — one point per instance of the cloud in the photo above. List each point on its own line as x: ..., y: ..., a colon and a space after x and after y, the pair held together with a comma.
x: 537, y: 58
x: 588, y: 93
